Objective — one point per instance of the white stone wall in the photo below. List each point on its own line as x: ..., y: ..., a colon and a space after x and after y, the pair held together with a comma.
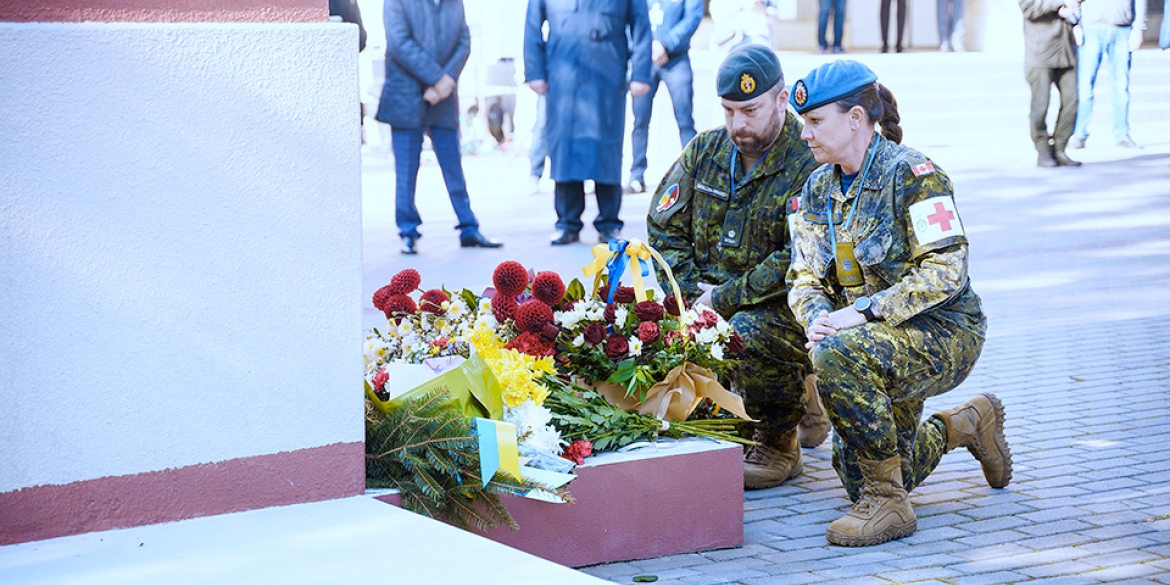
x: 180, y: 245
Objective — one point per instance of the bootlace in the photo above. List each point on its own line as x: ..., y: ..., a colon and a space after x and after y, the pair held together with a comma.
x: 867, y: 502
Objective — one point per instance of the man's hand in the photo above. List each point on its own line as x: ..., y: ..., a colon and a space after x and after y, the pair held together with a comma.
x: 445, y: 86
x: 639, y: 88
x: 827, y: 324
x: 1135, y: 39
x: 658, y: 54
x: 431, y: 96
x: 705, y: 298
x: 540, y: 86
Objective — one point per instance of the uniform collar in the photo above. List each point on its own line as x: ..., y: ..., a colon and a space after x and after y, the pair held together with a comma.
x: 876, y: 179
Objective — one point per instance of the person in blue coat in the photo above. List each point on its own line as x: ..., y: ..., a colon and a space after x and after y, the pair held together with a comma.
x: 672, y: 24
x: 427, y: 45
x: 581, y: 67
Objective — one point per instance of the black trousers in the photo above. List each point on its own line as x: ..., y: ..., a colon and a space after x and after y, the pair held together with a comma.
x: 570, y: 204
x: 1040, y: 79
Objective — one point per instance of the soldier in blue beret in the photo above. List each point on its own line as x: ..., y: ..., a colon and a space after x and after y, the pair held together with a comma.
x: 879, y: 281
x: 719, y: 219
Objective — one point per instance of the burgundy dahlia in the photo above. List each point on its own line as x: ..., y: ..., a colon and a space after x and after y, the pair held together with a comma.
x: 404, y: 282
x: 548, y: 287
x: 510, y: 278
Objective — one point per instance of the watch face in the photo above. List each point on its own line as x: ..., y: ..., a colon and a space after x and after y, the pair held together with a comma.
x: 862, y: 303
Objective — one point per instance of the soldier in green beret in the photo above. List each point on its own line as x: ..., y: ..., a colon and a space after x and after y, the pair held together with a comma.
x: 879, y: 281
x: 719, y: 218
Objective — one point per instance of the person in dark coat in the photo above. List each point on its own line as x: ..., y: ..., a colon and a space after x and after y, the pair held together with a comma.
x: 427, y: 45
x: 1050, y: 58
x: 581, y: 68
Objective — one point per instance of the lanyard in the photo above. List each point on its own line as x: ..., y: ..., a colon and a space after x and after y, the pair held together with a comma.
x: 860, y: 181
x: 734, y: 151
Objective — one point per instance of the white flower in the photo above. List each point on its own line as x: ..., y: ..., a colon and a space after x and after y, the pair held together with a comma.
x: 579, y: 340
x: 707, y: 336
x: 717, y: 351
x: 546, y: 438
x: 620, y: 314
x: 724, y: 327
x: 688, y: 318
x: 635, y: 346
x: 595, y: 311
x: 571, y: 317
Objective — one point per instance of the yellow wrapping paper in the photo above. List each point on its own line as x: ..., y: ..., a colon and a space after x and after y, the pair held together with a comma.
x: 472, y: 385
x: 675, y: 397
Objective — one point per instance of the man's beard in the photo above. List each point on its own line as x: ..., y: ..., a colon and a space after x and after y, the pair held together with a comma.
x: 756, y: 145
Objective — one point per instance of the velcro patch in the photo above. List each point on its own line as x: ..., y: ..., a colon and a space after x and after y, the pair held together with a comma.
x: 935, y: 219
x: 923, y: 169
x: 668, y: 199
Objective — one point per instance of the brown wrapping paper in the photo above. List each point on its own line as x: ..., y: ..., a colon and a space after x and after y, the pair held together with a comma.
x: 676, y: 396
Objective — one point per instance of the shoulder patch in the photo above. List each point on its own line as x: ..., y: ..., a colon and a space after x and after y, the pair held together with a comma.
x: 668, y: 199
x: 935, y: 219
x: 922, y: 169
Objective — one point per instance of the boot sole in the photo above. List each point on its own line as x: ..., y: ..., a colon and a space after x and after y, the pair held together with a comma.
x: 813, y: 442
x: 763, y: 485
x: 1000, y: 443
x: 887, y: 535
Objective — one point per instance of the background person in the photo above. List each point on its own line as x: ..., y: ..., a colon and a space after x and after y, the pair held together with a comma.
x: 1050, y: 59
x: 672, y: 24
x: 879, y: 280
x: 884, y: 14
x: 951, y: 28
x: 1110, y: 33
x: 581, y: 69
x: 427, y: 45
x: 837, y: 8
x: 719, y: 220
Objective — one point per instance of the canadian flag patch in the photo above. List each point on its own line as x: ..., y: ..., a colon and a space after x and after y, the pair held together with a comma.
x: 935, y: 219
x: 923, y: 169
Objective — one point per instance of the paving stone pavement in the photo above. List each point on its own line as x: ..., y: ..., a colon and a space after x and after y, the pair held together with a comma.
x: 1073, y: 266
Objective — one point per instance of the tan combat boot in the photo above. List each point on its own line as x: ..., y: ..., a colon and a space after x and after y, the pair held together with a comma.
x: 775, y: 460
x: 814, y: 426
x: 978, y: 426
x: 881, y: 513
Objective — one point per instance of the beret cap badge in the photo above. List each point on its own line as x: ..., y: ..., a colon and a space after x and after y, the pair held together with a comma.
x: 747, y: 83
x: 800, y: 93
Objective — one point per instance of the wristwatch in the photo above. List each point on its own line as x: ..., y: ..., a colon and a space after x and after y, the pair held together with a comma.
x: 865, y: 306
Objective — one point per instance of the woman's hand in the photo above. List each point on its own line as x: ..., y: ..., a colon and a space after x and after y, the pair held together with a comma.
x: 827, y: 324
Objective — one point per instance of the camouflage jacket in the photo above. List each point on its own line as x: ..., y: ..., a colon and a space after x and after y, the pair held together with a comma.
x: 688, y: 218
x: 908, y: 240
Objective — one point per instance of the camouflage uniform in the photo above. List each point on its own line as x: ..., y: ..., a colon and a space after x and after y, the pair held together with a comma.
x: 874, y: 379
x: 687, y: 225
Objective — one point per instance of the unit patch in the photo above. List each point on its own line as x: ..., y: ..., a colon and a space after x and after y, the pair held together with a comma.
x: 923, y: 169
x: 668, y: 199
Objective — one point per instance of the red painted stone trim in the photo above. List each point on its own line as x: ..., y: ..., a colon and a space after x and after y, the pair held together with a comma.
x: 164, y: 10
x: 235, y: 485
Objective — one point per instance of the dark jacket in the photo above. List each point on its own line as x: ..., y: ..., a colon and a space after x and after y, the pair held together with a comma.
x: 349, y: 11
x: 423, y: 41
x: 1048, y: 38
x: 680, y: 20
x: 584, y: 60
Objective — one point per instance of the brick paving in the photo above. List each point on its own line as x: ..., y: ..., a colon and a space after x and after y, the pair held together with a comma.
x: 1073, y: 266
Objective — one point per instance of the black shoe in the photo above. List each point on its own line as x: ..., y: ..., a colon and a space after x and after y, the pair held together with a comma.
x: 606, y: 236
x: 1046, y: 160
x: 476, y: 240
x: 898, y: 48
x: 566, y: 237
x: 885, y: 48
x: 1065, y: 161
x: 409, y: 245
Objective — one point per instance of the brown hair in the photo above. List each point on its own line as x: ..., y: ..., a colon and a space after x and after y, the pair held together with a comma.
x: 880, y: 108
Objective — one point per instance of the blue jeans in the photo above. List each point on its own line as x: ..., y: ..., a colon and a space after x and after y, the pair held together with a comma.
x: 407, y: 143
x: 1111, y: 42
x: 1164, y: 34
x: 538, y: 152
x: 680, y: 82
x: 838, y: 9
x: 950, y: 23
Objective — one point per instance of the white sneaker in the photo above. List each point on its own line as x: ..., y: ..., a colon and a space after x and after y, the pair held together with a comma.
x: 533, y: 184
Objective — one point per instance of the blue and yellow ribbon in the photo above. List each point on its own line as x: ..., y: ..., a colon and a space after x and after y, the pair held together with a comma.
x: 617, y: 256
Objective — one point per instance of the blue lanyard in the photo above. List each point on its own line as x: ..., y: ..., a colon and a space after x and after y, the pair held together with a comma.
x: 860, y: 182
x: 734, y: 151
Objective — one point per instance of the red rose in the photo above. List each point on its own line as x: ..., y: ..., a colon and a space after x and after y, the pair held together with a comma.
x: 532, y: 344
x: 380, y: 379
x: 710, y: 319
x: 649, y: 311
x: 671, y: 305
x: 624, y: 294
x: 648, y: 332
x: 595, y: 333
x: 735, y: 344
x: 610, y: 313
x: 578, y: 451
x: 616, y: 347
x: 673, y: 336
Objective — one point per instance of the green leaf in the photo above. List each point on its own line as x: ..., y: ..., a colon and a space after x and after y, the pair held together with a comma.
x: 575, y: 290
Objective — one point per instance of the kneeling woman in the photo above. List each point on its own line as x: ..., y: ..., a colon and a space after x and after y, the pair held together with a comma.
x: 879, y: 281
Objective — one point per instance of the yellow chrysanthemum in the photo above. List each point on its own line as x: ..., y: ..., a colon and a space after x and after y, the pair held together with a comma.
x: 517, y: 372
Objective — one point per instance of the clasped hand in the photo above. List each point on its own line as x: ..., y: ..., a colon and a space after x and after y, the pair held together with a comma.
x: 827, y: 324
x: 440, y: 91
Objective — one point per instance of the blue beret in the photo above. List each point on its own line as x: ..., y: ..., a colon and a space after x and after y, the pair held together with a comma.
x: 829, y: 83
x: 748, y: 72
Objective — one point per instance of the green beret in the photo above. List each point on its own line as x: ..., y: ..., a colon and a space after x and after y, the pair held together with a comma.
x: 829, y: 83
x: 748, y: 72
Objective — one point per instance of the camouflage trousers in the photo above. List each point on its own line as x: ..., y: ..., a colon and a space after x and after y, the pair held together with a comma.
x: 770, y: 376
x: 874, y: 380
